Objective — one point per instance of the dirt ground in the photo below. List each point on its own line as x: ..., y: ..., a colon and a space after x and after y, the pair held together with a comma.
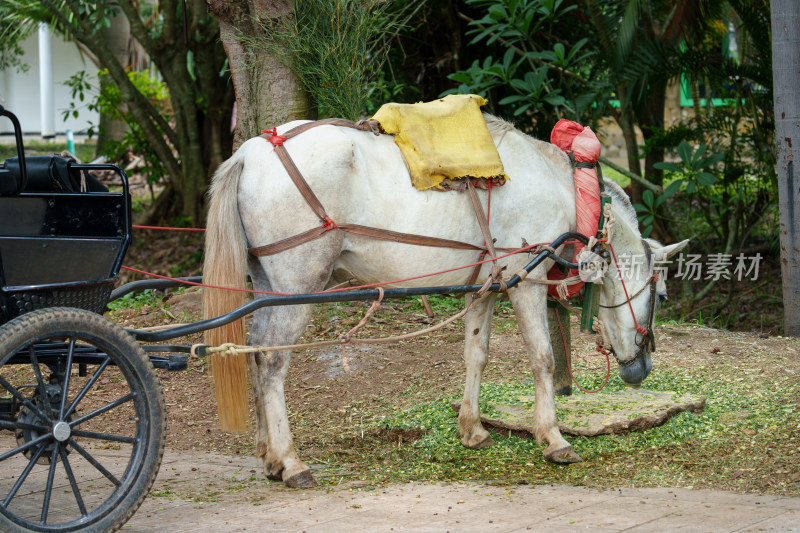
x: 318, y: 389
x: 331, y: 408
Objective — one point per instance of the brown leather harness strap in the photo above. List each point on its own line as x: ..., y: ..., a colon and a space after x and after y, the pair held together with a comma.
x: 482, y: 222
x: 487, y: 237
x: 294, y: 173
x: 407, y: 238
x: 366, y: 231
x: 289, y: 242
x: 356, y: 229
x: 363, y: 125
x: 301, y: 184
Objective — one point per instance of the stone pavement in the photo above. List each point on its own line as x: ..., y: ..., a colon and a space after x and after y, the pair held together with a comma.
x: 214, y: 493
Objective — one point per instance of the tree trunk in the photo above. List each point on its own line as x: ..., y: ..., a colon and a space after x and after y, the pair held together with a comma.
x: 117, y: 36
x: 184, y: 95
x: 201, y: 100
x: 786, y: 80
x: 625, y: 119
x: 267, y: 91
x: 653, y: 120
x: 173, y: 38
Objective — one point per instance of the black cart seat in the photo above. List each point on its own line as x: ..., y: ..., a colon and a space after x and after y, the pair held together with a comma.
x: 58, y: 247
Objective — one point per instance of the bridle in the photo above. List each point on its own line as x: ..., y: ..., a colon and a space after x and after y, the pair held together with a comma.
x: 647, y: 340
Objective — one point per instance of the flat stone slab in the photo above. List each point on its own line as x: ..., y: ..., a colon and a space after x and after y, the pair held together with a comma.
x: 603, y: 413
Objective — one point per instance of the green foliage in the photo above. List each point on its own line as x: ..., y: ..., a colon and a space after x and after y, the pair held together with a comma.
x: 188, y: 266
x: 15, y: 26
x: 380, y: 90
x: 736, y: 121
x: 135, y: 300
x: 695, y: 170
x: 106, y: 98
x: 11, y: 57
x: 729, y: 181
x: 97, y: 15
x: 83, y: 151
x: 440, y: 305
x: 20, y: 18
x: 738, y: 428
x: 334, y: 47
x: 530, y: 71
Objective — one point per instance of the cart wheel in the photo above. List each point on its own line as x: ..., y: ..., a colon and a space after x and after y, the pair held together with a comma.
x: 86, y: 417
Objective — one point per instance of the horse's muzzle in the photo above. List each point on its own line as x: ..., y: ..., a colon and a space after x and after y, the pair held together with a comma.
x: 634, y: 372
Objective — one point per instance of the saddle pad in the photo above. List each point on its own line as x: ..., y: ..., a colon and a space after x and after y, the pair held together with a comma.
x: 444, y: 139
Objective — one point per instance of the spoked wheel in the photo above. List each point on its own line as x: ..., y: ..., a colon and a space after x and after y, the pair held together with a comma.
x: 86, y: 420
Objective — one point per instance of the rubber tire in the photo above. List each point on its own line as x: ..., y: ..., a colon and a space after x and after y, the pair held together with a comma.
x: 135, y: 366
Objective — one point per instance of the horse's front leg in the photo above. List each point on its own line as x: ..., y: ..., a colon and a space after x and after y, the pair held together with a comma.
x: 530, y: 307
x: 477, y: 325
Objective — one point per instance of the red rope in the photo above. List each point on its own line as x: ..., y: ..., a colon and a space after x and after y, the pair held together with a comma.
x: 524, y: 249
x: 274, y: 138
x: 193, y: 283
x: 639, y: 328
x: 569, y: 366
x: 168, y: 229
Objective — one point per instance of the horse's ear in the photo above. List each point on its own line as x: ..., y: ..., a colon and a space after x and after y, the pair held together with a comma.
x: 665, y: 252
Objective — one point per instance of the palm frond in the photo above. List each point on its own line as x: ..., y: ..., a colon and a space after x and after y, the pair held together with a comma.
x: 628, y: 28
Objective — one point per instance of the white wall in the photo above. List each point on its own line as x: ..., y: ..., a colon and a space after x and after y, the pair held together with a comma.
x: 19, y: 92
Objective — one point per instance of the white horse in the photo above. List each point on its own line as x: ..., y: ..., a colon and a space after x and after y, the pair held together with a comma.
x: 361, y: 178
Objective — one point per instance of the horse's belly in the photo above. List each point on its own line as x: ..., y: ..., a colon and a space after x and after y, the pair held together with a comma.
x: 402, y: 265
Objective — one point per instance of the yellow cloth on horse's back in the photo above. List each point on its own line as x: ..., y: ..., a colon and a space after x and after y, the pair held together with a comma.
x: 444, y: 139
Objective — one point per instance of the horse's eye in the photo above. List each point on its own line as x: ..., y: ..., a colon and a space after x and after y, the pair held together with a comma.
x: 661, y: 298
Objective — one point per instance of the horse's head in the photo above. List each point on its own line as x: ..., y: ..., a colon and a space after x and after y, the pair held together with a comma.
x: 628, y: 319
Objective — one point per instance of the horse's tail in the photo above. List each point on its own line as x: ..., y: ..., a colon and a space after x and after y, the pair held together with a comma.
x: 226, y: 266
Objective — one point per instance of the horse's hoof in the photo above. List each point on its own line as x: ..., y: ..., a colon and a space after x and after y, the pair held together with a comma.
x: 564, y: 456
x: 303, y: 480
x: 487, y: 441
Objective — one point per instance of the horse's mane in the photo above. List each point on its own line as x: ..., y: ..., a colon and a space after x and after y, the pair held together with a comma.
x: 619, y: 199
x: 625, y: 211
x: 498, y: 127
x: 497, y: 124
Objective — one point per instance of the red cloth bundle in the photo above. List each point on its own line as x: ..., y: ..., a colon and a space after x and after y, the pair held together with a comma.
x: 583, y: 143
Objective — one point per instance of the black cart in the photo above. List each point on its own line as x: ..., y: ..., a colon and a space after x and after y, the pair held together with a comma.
x: 80, y: 401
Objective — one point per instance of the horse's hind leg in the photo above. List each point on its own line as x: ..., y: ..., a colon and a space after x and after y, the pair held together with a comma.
x: 477, y: 326
x: 274, y: 441
x: 530, y: 307
x: 281, y: 325
x: 259, y: 324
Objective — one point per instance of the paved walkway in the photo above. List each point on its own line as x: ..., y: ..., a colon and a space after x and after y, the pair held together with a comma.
x: 214, y: 493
